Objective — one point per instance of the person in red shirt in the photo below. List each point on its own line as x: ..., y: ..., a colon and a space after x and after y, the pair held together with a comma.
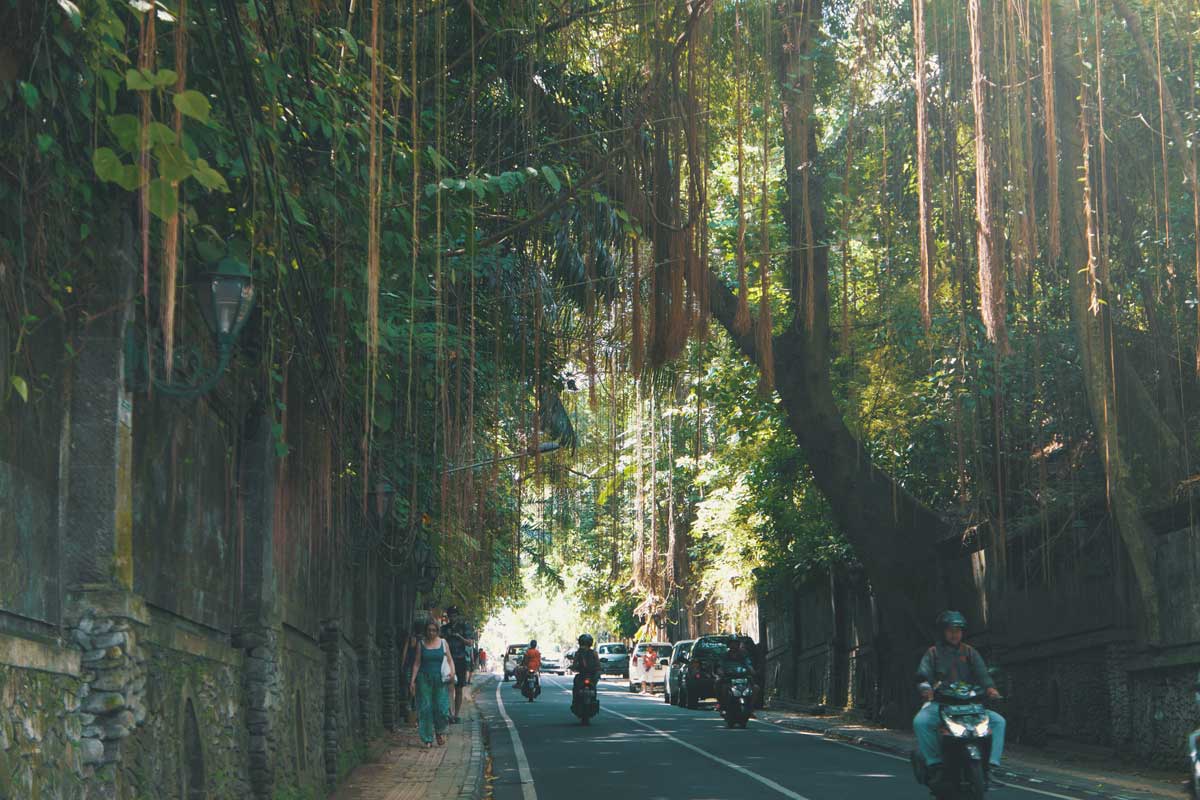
x: 531, y: 662
x: 648, y: 661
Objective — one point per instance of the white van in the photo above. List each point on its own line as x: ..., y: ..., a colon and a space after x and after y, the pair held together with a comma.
x: 656, y: 675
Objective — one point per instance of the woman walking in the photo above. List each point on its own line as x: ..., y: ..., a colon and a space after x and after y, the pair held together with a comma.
x: 429, y: 685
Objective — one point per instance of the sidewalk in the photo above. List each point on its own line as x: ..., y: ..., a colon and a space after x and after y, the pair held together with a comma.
x: 1023, y: 766
x: 405, y: 770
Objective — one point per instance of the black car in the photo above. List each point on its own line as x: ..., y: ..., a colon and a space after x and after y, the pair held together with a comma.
x: 675, y: 666
x: 698, y: 678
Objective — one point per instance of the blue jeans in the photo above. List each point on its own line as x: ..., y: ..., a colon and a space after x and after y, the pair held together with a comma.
x: 433, y: 706
x: 929, y: 741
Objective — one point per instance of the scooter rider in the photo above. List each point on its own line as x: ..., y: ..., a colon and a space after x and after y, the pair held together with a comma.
x: 585, y: 662
x: 951, y: 661
x: 531, y: 662
x: 734, y: 660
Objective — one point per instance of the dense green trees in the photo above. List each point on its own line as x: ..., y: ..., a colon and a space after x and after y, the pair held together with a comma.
x: 696, y: 296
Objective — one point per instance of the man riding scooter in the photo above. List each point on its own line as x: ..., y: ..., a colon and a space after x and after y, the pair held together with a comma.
x: 735, y: 661
x: 950, y: 662
x: 586, y: 664
x: 735, y: 685
x: 531, y: 664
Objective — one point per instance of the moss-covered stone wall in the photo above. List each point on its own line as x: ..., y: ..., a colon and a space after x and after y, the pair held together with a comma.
x: 40, y: 727
x: 156, y: 757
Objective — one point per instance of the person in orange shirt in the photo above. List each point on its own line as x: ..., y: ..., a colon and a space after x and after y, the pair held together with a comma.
x: 531, y: 662
x: 533, y: 657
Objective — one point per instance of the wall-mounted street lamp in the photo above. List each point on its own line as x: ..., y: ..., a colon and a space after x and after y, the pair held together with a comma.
x: 225, y: 296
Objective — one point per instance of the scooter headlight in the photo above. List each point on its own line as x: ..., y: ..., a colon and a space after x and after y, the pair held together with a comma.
x: 983, y: 727
x: 956, y: 728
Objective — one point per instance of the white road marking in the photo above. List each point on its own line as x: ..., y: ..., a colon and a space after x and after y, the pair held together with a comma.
x: 782, y: 729
x: 528, y: 791
x: 770, y: 784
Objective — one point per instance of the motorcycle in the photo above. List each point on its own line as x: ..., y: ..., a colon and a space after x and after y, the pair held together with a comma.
x: 585, y: 703
x: 1194, y: 760
x: 1193, y: 744
x: 966, y: 744
x: 531, y: 687
x: 737, y: 697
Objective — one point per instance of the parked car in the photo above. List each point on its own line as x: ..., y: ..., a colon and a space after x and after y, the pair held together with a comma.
x: 676, y: 664
x: 614, y: 659
x: 512, y: 659
x: 699, y: 680
x: 656, y: 675
x: 552, y: 661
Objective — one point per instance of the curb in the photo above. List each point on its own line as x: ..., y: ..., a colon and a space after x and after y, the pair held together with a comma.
x: 473, y: 782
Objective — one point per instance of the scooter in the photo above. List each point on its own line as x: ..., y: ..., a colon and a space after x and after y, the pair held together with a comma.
x: 966, y: 744
x: 1194, y: 779
x: 531, y: 687
x: 585, y: 703
x: 1193, y: 744
x: 737, y: 697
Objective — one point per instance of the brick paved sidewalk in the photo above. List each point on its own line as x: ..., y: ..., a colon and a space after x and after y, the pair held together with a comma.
x: 1023, y: 766
x: 406, y: 770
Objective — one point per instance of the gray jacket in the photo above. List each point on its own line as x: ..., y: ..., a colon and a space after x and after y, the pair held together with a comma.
x: 945, y: 664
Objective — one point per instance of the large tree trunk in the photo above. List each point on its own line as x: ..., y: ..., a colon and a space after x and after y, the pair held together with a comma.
x: 893, y: 534
x: 1091, y: 324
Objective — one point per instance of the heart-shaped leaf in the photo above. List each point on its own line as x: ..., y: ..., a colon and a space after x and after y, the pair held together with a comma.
x: 193, y: 104
x: 163, y: 199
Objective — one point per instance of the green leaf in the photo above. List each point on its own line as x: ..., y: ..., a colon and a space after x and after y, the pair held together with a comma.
x: 193, y: 104
x: 173, y: 163
x: 44, y: 142
x: 351, y: 45
x: 209, y: 178
x: 157, y: 133
x: 129, y: 178
x: 164, y: 78
x: 19, y: 385
x: 127, y: 129
x: 139, y: 80
x: 107, y: 164
x: 551, y: 178
x: 163, y: 200
x: 30, y: 94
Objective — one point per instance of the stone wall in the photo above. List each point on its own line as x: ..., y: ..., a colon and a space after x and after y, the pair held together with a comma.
x: 41, y: 726
x: 300, y: 732
x: 168, y: 571
x: 200, y: 677
x: 1162, y: 714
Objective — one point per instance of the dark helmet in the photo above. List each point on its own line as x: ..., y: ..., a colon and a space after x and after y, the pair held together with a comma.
x: 533, y: 644
x: 586, y: 640
x: 951, y: 619
x: 452, y: 611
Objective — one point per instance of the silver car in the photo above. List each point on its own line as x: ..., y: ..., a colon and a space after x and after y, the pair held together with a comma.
x: 614, y: 659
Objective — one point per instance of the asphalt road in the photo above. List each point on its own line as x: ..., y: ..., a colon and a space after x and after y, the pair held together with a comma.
x: 640, y: 748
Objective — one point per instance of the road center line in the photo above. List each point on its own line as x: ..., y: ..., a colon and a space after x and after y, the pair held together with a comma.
x: 770, y: 784
x: 782, y: 729
x: 528, y: 791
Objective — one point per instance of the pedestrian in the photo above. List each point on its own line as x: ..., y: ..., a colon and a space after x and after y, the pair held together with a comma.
x: 432, y: 664
x: 409, y: 661
x: 461, y: 637
x: 648, y: 664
